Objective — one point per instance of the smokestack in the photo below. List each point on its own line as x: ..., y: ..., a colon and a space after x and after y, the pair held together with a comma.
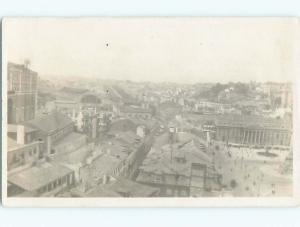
x: 20, y: 134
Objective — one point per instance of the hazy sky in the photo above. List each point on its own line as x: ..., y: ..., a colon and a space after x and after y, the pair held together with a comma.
x: 161, y: 49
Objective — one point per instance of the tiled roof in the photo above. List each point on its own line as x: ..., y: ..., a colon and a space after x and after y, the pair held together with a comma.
x: 101, y: 191
x: 160, y: 162
x: 128, y: 137
x: 51, y: 122
x: 103, y: 164
x: 122, y: 125
x: 38, y: 176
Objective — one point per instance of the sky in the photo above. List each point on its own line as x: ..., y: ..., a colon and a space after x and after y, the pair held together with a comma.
x: 181, y: 50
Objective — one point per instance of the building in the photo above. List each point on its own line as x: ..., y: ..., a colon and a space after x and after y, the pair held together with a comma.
x: 44, y: 179
x: 23, y: 148
x: 170, y: 168
x: 67, y: 107
x: 280, y: 94
x: 21, y: 93
x: 120, y: 187
x: 102, y: 168
x: 206, y: 107
x: 135, y: 112
x: 114, y: 158
x: 253, y: 130
x: 128, y: 188
x: 57, y: 132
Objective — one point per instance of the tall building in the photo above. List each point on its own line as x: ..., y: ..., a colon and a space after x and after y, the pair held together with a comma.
x: 22, y: 93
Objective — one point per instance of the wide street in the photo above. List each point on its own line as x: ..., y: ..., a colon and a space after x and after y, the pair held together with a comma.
x: 244, y: 177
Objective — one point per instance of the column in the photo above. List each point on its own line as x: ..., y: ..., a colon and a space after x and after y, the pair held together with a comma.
x: 261, y: 137
x: 249, y: 136
x: 243, y: 136
x: 267, y: 137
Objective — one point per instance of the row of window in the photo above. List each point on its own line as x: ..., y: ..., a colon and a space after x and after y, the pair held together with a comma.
x: 53, y: 185
x: 20, y: 157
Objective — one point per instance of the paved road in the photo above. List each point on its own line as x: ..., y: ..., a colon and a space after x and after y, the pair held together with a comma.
x: 143, y: 151
x: 251, y: 181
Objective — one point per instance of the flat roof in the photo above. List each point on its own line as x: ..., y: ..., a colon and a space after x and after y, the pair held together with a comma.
x: 13, y: 128
x: 38, y: 176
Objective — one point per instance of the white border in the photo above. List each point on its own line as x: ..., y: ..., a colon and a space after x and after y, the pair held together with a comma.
x: 158, y: 202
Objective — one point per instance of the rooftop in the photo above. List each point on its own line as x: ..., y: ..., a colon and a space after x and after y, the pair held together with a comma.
x: 51, y: 122
x: 103, y: 164
x: 129, y: 109
x: 38, y: 176
x: 13, y: 128
x: 163, y: 161
x: 251, y: 121
x: 128, y: 137
x: 122, y: 125
x: 130, y: 188
x: 101, y: 191
x: 239, y: 120
x: 20, y: 67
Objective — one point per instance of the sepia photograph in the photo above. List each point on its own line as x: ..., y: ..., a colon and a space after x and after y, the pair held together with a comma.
x: 149, y: 111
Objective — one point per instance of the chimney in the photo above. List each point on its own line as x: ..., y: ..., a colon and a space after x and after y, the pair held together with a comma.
x: 20, y: 134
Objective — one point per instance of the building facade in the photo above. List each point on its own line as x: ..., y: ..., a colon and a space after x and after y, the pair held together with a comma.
x: 23, y: 147
x: 253, y: 130
x: 22, y: 93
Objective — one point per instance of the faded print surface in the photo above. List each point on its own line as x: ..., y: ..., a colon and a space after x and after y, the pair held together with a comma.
x: 149, y: 107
